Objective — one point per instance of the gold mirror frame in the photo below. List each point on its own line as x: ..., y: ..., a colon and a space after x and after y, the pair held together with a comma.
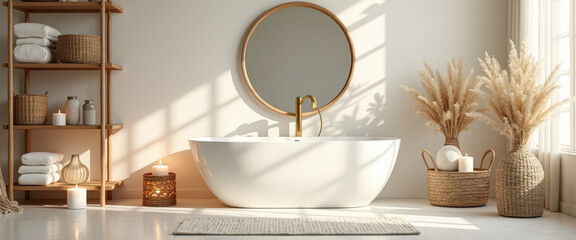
x: 288, y: 5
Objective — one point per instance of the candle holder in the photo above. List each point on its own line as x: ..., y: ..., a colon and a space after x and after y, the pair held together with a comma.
x: 159, y: 191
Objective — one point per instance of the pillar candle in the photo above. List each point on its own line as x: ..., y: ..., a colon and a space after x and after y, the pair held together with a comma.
x: 76, y: 198
x: 466, y: 164
x: 160, y: 170
x: 59, y: 119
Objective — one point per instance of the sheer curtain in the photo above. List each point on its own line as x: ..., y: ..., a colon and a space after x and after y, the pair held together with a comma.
x: 533, y: 22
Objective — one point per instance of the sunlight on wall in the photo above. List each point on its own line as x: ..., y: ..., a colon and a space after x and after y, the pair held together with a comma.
x: 190, y: 107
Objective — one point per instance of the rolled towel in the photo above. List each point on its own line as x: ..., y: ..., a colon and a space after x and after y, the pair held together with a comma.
x: 35, y: 179
x: 41, y: 158
x: 30, y: 53
x: 44, y: 42
x: 26, y: 30
x: 53, y: 168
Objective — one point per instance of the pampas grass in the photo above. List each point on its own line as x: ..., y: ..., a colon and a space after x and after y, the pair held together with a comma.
x: 515, y: 99
x: 446, y: 100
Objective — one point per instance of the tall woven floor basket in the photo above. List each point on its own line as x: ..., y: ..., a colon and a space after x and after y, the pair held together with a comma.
x: 520, y: 184
x: 458, y: 189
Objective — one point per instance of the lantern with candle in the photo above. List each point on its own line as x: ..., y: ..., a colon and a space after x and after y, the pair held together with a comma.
x: 159, y: 187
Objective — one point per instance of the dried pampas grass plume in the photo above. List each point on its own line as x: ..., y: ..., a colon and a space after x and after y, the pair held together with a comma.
x: 517, y: 102
x: 447, y: 100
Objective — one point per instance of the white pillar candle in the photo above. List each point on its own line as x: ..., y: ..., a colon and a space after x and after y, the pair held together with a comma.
x: 76, y: 198
x: 59, y: 119
x: 160, y: 170
x: 466, y: 164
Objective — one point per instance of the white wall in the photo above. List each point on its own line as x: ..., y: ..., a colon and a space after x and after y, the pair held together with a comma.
x: 182, y: 79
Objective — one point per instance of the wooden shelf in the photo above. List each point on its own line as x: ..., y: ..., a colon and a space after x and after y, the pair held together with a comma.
x: 64, y: 7
x: 63, y: 66
x: 104, y: 10
x: 67, y: 127
x: 60, y: 186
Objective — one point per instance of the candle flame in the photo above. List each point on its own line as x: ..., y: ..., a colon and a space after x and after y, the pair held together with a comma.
x: 76, y: 185
x: 160, y: 162
x: 466, y: 154
x: 58, y: 110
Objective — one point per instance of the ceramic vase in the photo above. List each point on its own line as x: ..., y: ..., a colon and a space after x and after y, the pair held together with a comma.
x: 72, y: 111
x: 75, y: 172
x: 89, y: 110
x: 520, y: 184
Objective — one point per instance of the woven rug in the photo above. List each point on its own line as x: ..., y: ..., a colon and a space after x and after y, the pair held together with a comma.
x: 295, y: 226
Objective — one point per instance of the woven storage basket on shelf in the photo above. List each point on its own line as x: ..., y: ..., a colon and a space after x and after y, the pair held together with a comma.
x: 77, y: 48
x: 30, y: 109
x: 458, y: 189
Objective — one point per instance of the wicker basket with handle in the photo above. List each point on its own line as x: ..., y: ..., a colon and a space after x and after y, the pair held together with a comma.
x: 30, y: 109
x: 78, y: 48
x: 458, y: 189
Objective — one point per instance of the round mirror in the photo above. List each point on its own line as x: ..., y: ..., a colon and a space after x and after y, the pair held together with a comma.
x: 297, y: 49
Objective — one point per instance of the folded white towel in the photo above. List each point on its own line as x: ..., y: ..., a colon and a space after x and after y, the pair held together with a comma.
x: 30, y: 53
x: 41, y: 158
x: 58, y: 167
x: 53, y: 168
x: 56, y: 177
x: 44, y: 42
x: 35, y: 179
x: 25, y: 30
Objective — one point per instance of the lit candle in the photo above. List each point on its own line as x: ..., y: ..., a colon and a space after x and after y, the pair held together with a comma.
x: 466, y: 164
x: 160, y: 170
x: 59, y: 119
x: 76, y: 198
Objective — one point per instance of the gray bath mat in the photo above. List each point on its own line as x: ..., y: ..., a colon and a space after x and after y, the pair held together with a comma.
x: 295, y: 226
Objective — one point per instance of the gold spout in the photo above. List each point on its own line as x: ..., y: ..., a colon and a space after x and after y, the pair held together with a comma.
x: 299, y: 102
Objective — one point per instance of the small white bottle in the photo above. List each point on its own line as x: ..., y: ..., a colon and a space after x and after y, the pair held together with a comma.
x: 89, y: 113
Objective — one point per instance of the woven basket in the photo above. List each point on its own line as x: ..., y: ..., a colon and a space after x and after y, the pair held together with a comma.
x: 520, y: 184
x: 458, y: 189
x: 159, y: 191
x: 30, y: 109
x: 77, y: 48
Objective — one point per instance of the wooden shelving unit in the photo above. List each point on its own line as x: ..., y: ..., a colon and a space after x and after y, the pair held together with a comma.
x: 59, y: 186
x: 67, y: 127
x: 63, y: 66
x: 104, y: 8
x: 64, y: 7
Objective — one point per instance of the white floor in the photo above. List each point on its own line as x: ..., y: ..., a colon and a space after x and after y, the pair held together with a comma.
x: 126, y: 219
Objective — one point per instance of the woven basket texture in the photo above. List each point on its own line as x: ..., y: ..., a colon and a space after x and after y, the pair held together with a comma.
x: 159, y: 191
x: 458, y: 189
x: 78, y: 48
x: 520, y: 184
x: 30, y: 109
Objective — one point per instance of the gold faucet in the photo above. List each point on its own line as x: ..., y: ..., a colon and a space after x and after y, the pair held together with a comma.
x: 314, y: 106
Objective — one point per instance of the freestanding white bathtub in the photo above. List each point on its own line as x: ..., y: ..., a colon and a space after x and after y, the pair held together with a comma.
x: 324, y: 172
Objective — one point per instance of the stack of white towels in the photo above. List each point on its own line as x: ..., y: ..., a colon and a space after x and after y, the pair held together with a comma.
x: 36, y: 43
x: 40, y: 168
